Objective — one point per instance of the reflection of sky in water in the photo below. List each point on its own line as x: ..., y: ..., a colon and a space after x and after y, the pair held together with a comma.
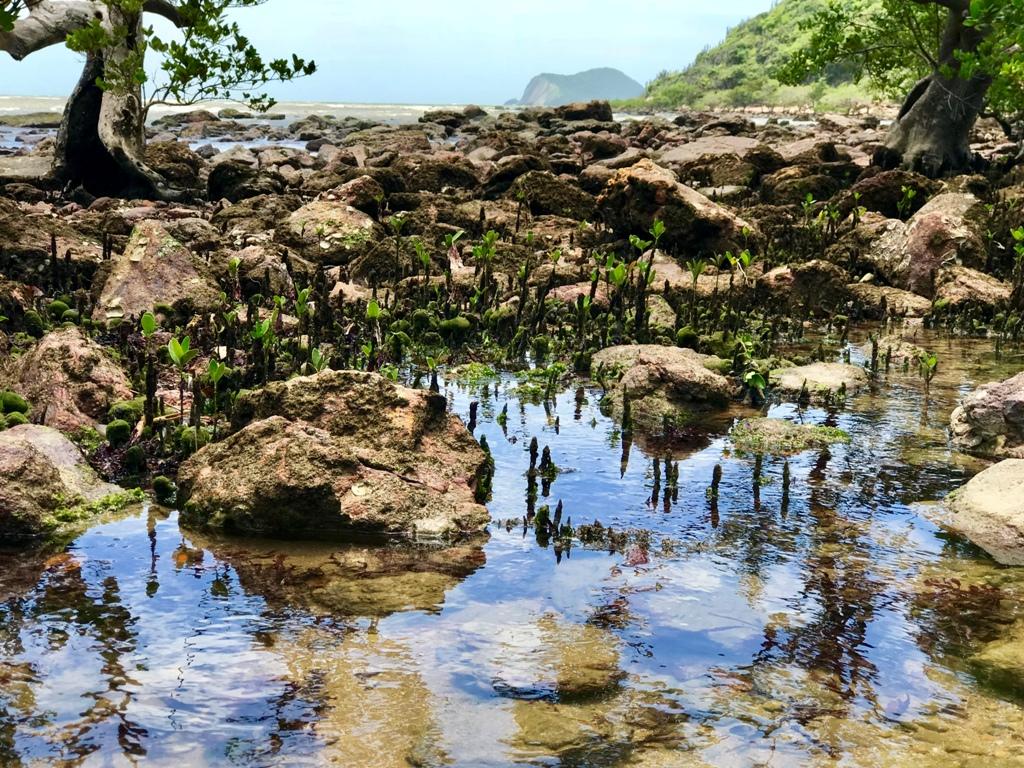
x: 740, y: 637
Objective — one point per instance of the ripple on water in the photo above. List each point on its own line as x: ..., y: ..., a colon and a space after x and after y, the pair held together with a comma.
x: 825, y: 621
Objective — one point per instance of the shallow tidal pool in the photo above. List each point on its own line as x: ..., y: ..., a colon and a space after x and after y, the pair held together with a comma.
x: 824, y: 621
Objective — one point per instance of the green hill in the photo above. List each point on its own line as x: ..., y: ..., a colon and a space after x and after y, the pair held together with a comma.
x: 737, y: 72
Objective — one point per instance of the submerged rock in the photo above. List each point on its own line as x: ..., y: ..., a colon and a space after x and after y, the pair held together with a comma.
x: 351, y: 579
x: 778, y: 437
x: 819, y: 380
x: 44, y: 482
x: 663, y: 385
x: 990, y: 422
x: 989, y: 511
x: 69, y: 379
x: 339, y: 453
x: 154, y: 269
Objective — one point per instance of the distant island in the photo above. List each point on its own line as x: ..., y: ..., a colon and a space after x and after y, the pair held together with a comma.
x: 548, y: 90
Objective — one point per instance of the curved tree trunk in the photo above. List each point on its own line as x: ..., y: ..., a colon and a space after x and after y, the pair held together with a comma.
x: 80, y: 159
x: 932, y: 134
x: 101, y: 143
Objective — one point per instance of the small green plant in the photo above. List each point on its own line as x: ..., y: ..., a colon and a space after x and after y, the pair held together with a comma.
x: 182, y: 355
x: 906, y: 201
x: 318, y: 361
x: 928, y: 366
x: 216, y: 371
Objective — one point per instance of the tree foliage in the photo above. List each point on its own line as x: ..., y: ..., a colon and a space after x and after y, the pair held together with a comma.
x: 9, y: 10
x: 212, y: 59
x: 896, y: 43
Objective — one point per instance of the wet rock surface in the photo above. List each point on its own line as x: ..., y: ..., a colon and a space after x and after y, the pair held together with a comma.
x: 43, y: 478
x: 340, y: 453
x: 989, y: 510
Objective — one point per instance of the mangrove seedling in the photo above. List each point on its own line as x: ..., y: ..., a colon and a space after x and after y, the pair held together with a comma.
x: 216, y: 371
x: 181, y: 355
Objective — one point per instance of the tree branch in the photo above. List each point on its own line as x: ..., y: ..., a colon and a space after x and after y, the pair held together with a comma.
x: 48, y: 23
x: 168, y: 10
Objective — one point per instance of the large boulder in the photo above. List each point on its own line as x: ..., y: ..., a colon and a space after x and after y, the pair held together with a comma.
x: 990, y: 422
x: 44, y: 481
x: 664, y: 385
x: 545, y: 193
x: 155, y: 269
x: 237, y: 180
x: 176, y: 162
x: 989, y: 510
x: 884, y: 193
x: 339, y: 453
x: 69, y: 380
x: 944, y: 233
x: 638, y: 195
x: 329, y: 232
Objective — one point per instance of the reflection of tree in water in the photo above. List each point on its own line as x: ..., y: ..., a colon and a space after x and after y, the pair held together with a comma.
x: 818, y: 665
x: 70, y: 607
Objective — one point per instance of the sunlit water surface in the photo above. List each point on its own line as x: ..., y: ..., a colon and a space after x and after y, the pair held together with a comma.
x: 837, y: 626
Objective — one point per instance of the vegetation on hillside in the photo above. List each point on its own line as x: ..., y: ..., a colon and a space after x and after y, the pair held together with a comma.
x: 739, y: 71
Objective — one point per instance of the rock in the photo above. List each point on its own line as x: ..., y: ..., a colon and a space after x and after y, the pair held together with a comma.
x: 437, y: 172
x: 792, y: 185
x: 176, y: 162
x: 154, y: 269
x: 26, y: 239
x: 235, y: 180
x: 664, y: 384
x: 883, y: 193
x: 821, y: 380
x: 707, y: 147
x: 818, y: 284
x: 877, y: 302
x: 364, y: 455
x: 778, y: 437
x: 43, y: 478
x: 328, y: 232
x: 255, y: 215
x: 510, y: 168
x: 638, y: 195
x: 989, y: 511
x: 547, y: 194
x: 943, y: 233
x: 959, y: 288
x: 601, y: 145
x: 990, y: 421
x: 69, y: 380
x: 601, y: 111
x: 363, y: 193
x: 331, y: 580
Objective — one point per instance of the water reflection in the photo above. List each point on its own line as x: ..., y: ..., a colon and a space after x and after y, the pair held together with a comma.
x: 807, y: 614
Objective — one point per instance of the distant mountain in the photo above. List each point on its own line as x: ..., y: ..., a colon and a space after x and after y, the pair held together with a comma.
x: 737, y: 71
x: 550, y: 90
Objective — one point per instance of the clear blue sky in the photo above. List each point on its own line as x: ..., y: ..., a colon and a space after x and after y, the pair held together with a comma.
x: 459, y: 51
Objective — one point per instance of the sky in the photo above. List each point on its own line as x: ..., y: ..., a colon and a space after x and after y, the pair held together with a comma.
x: 455, y: 52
